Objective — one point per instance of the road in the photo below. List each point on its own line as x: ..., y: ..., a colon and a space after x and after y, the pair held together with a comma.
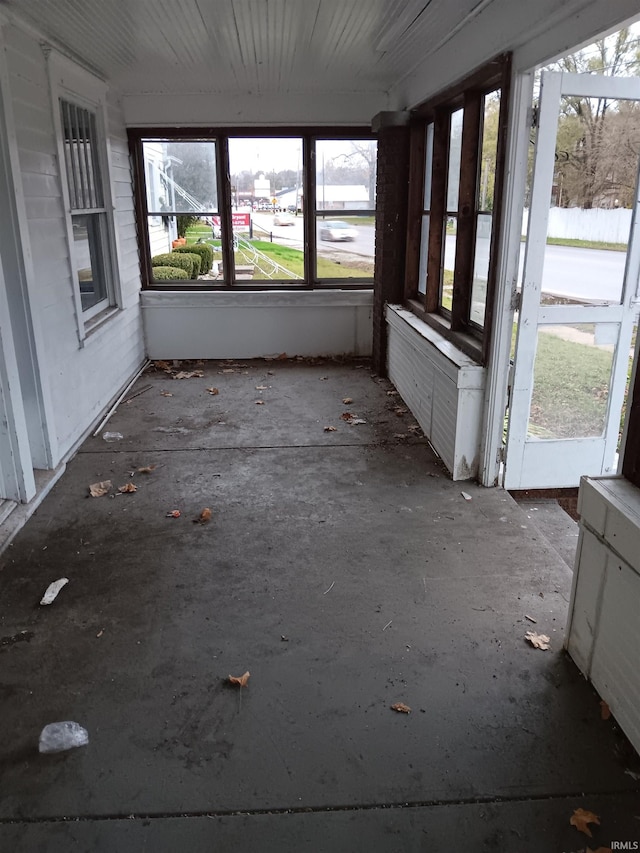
x: 593, y: 275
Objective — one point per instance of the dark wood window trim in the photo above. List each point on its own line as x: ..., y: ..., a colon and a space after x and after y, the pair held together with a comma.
x: 469, y: 94
x: 221, y: 136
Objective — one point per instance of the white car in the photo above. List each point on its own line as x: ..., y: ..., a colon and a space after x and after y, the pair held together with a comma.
x: 284, y: 219
x: 336, y: 230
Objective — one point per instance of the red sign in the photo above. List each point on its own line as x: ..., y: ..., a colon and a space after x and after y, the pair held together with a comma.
x: 241, y: 221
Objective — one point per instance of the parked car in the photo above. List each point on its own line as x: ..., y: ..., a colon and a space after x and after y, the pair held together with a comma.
x: 284, y: 219
x: 337, y: 231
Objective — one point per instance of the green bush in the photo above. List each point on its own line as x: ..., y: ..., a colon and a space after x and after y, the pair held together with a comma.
x: 175, y: 259
x: 169, y: 274
x: 196, y: 259
x: 202, y: 249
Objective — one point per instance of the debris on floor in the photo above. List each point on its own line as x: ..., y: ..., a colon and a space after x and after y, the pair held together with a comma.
x: 112, y: 436
x: 97, y: 490
x: 146, y: 469
x: 175, y: 513
x: 240, y: 680
x: 401, y: 708
x: 204, y: 516
x: 52, y: 590
x: 539, y: 641
x: 581, y: 818
x: 128, y: 488
x: 58, y: 737
x: 466, y: 496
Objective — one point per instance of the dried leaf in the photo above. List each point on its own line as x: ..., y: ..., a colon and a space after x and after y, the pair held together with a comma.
x: 400, y: 411
x: 347, y: 400
x: 166, y: 394
x: 127, y: 488
x: 401, y: 708
x: 346, y: 416
x: 540, y: 641
x: 605, y: 710
x: 204, y: 516
x: 581, y: 818
x: 282, y: 356
x: 213, y: 391
x: 330, y: 429
x: 162, y: 365
x: 240, y: 680
x: 259, y: 402
x: 147, y: 469
x: 188, y: 374
x: 97, y: 490
x: 262, y: 387
x: 227, y: 370
x: 392, y: 393
x: 175, y: 513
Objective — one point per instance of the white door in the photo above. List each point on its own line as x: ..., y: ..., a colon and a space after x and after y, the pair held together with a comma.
x: 575, y: 322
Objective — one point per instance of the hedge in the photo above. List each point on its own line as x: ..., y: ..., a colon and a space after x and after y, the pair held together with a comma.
x: 202, y: 249
x: 176, y: 259
x: 169, y: 273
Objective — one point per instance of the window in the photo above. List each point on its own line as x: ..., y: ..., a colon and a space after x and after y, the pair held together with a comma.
x: 91, y: 255
x: 457, y: 151
x: 294, y: 210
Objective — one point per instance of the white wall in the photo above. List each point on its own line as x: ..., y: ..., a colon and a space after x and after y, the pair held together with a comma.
x: 597, y: 224
x: 81, y: 380
x: 251, y: 325
x: 442, y: 386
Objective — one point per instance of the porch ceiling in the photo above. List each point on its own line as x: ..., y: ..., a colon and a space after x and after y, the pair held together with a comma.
x: 255, y: 46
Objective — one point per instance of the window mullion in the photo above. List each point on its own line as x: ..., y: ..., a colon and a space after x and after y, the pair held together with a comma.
x: 438, y: 209
x: 467, y: 203
x: 226, y: 220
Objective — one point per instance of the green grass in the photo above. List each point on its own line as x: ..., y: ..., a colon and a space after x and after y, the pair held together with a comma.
x: 584, y: 244
x: 293, y: 260
x: 357, y: 220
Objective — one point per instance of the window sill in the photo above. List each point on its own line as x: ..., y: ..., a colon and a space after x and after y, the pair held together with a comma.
x: 91, y: 326
x: 466, y: 343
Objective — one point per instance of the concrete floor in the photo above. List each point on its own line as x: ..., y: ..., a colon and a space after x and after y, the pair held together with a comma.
x: 346, y: 572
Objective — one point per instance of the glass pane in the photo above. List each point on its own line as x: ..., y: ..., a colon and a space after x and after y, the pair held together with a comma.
x: 346, y: 174
x: 345, y: 246
x: 428, y: 167
x: 267, y: 208
x: 89, y: 233
x: 596, y: 164
x: 455, y: 152
x: 449, y: 262
x: 481, y: 268
x: 167, y: 233
x: 180, y: 176
x: 424, y: 252
x: 572, y: 373
x: 489, y: 151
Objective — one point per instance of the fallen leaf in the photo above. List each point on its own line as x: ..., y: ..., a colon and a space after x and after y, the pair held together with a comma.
x: 605, y: 710
x: 282, y: 356
x: 400, y: 411
x: 175, y: 513
x: 146, y: 469
x: 259, y: 402
x: 401, y: 708
x: 97, y: 490
x: 227, y: 370
x: 240, y: 680
x: 581, y: 818
x: 330, y: 429
x: 347, y: 400
x: 346, y: 416
x: 166, y: 394
x: 127, y: 488
x: 162, y: 365
x: 213, y: 391
x: 262, y: 387
x: 204, y: 516
x: 188, y: 374
x: 540, y: 641
x: 391, y: 393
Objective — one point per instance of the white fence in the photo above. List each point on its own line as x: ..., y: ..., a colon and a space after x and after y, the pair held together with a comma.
x: 598, y: 225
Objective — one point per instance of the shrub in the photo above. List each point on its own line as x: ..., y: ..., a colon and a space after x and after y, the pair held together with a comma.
x: 202, y: 249
x: 169, y: 274
x: 175, y: 259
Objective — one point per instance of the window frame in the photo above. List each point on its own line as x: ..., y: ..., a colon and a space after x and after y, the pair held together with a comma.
x: 469, y: 94
x: 77, y: 87
x: 308, y: 137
